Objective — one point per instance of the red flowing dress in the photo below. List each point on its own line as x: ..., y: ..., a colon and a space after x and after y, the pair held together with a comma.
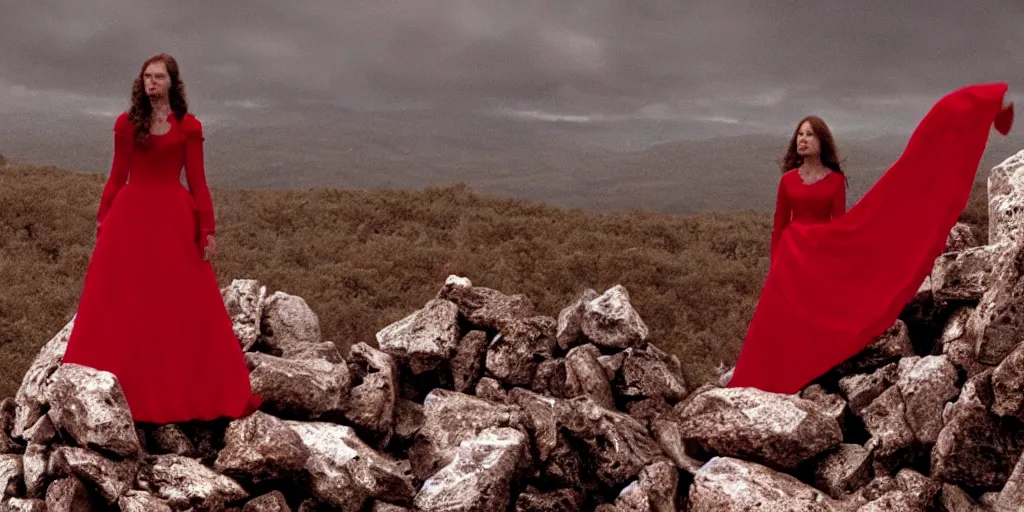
x: 151, y: 311
x: 813, y: 203
x: 834, y: 286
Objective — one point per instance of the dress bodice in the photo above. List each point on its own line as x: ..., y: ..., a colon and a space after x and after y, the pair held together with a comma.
x: 809, y: 203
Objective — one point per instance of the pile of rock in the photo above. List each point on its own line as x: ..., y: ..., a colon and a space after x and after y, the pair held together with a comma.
x: 477, y: 402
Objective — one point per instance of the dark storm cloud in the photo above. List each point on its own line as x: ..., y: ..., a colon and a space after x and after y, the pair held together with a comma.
x: 724, y: 61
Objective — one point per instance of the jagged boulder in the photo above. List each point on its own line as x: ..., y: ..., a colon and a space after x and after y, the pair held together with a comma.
x: 960, y: 238
x: 372, y: 402
x: 183, y: 482
x: 889, y: 347
x: 656, y: 490
x: 843, y: 470
x: 517, y: 351
x: 995, y: 327
x: 955, y: 499
x: 964, y: 275
x: 618, y: 446
x: 273, y: 501
x: 11, y: 473
x: 1011, y: 497
x: 424, y: 339
x: 449, y: 419
x: 610, y: 321
x: 467, y: 365
x: 779, y: 430
x: 345, y: 472
x: 69, y: 494
x: 89, y: 405
x: 649, y: 373
x: 112, y: 478
x: 588, y: 374
x: 306, y: 389
x: 926, y: 384
x: 732, y: 484
x: 244, y: 300
x: 862, y: 389
x: 1008, y: 385
x: 892, y: 437
x: 261, y: 448
x: 909, y: 490
x: 976, y: 449
x: 569, y: 331
x: 30, y: 401
x: 478, y: 477
x: 485, y: 308
x: 290, y: 327
x: 957, y: 345
x: 833, y: 404
x: 1006, y: 200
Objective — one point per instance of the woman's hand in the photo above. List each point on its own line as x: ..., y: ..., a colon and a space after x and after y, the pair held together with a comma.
x: 210, y: 250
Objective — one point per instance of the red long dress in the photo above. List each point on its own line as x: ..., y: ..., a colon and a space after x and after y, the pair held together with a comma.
x: 835, y: 286
x: 817, y: 202
x: 151, y: 311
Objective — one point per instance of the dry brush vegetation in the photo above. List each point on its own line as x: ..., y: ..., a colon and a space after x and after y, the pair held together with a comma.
x: 363, y: 259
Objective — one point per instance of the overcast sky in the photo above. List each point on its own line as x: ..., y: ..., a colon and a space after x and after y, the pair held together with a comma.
x: 718, y: 61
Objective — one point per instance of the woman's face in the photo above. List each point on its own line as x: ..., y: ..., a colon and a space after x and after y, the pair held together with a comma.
x: 807, y: 143
x: 157, y: 80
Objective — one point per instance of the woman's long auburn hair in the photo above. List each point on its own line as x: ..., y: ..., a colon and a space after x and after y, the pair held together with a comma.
x: 829, y: 154
x: 141, y: 112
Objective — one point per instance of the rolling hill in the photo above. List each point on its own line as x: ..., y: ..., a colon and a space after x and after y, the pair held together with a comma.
x: 365, y: 258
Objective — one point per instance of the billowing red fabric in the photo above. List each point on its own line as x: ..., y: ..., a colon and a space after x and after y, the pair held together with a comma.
x: 151, y: 311
x: 833, y: 287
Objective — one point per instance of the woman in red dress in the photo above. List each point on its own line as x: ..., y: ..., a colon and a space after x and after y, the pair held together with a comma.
x: 151, y: 311
x: 813, y: 186
x: 834, y: 286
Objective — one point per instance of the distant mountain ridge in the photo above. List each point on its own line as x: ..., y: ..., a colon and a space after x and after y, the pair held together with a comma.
x: 592, y: 166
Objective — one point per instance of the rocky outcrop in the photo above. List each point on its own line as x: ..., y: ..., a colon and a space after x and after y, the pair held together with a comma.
x: 470, y: 403
x: 549, y: 424
x: 996, y: 327
x: 478, y: 401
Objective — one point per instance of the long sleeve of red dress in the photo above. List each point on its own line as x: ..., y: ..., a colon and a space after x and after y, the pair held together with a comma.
x: 782, y: 216
x: 195, y: 175
x: 124, y: 142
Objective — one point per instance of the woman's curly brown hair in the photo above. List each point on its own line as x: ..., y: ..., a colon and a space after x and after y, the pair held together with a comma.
x: 141, y: 112
x: 829, y: 154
